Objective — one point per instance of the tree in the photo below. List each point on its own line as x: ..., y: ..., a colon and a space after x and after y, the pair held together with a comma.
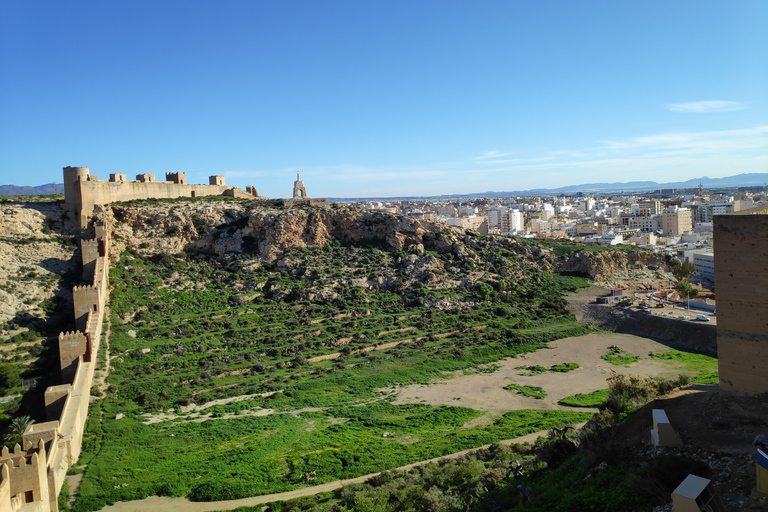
x: 686, y: 289
x: 684, y: 271
x: 18, y: 426
x: 9, y: 377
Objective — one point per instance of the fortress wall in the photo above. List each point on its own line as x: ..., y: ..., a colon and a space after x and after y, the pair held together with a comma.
x: 5, y: 488
x: 27, y: 475
x: 55, y: 397
x: 72, y: 345
x: 82, y: 191
x: 741, y: 274
x: 90, y: 252
x: 93, y: 192
x: 87, y: 300
x: 30, y: 479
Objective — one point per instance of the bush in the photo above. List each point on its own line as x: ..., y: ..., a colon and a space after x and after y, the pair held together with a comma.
x: 9, y: 377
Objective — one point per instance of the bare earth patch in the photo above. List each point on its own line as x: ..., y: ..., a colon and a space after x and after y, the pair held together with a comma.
x: 484, y: 391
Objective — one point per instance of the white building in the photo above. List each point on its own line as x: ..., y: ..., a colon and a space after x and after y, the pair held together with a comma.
x: 707, y: 211
x: 511, y: 221
x: 704, y: 261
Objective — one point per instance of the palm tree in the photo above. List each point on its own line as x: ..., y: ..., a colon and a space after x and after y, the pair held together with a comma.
x: 18, y: 426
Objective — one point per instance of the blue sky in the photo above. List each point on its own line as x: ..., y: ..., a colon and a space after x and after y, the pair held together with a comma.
x: 385, y: 98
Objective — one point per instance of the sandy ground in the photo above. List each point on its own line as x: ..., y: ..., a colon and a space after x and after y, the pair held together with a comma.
x: 160, y: 504
x: 485, y: 391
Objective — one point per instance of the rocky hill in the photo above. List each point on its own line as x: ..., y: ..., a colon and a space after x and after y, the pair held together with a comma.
x: 37, y: 260
x: 268, y: 231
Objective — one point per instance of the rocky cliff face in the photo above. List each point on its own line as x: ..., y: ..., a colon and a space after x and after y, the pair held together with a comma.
x: 268, y: 231
x: 605, y: 265
x: 265, y: 230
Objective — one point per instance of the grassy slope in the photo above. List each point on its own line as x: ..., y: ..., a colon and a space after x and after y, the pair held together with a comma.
x: 210, y: 338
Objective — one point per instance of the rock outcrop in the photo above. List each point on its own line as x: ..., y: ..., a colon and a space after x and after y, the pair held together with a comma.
x: 35, y: 255
x: 266, y: 230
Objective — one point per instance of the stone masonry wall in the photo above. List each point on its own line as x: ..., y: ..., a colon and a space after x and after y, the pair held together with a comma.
x: 741, y: 277
x: 32, y: 476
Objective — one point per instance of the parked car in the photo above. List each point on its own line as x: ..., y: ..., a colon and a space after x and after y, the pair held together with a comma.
x: 703, y: 318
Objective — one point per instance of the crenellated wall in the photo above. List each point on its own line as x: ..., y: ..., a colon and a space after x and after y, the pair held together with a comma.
x: 32, y: 475
x: 82, y: 190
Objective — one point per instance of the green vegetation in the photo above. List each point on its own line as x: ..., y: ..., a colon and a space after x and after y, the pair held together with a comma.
x: 564, y: 367
x: 18, y: 426
x: 10, y: 378
x: 538, y: 369
x: 703, y: 367
x: 42, y: 198
x: 529, y: 391
x: 627, y: 394
x: 532, y: 370
x: 301, y: 335
x: 687, y: 290
x: 564, y: 473
x: 593, y: 399
x: 566, y: 247
x: 618, y: 357
x: 684, y: 271
x: 247, y: 456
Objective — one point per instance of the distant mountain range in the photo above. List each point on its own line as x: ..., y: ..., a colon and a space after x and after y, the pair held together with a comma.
x: 740, y: 180
x: 13, y: 190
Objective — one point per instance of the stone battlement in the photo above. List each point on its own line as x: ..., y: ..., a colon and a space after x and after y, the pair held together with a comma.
x: 83, y: 191
x: 32, y: 475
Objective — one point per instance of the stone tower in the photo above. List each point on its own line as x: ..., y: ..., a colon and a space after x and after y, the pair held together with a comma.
x: 298, y: 187
x: 72, y: 188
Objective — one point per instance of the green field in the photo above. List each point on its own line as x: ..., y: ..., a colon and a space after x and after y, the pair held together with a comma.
x: 309, y: 357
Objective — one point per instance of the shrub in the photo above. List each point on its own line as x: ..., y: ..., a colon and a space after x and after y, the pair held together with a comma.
x: 9, y: 377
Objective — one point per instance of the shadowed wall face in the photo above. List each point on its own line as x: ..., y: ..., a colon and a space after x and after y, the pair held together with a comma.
x: 741, y: 280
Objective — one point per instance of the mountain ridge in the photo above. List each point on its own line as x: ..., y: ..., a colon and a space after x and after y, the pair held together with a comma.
x: 738, y: 180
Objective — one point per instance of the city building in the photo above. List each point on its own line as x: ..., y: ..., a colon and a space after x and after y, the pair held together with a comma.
x: 676, y: 221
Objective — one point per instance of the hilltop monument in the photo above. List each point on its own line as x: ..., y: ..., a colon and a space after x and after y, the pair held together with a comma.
x: 300, y: 195
x: 298, y: 187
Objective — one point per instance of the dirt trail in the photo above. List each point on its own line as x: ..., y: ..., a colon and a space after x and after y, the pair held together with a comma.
x: 162, y: 504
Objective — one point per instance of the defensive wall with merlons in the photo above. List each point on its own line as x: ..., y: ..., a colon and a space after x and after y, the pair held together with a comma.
x: 83, y: 190
x: 31, y: 476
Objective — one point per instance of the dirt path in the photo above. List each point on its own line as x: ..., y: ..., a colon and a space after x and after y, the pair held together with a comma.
x: 162, y: 504
x: 100, y: 380
x: 485, y: 391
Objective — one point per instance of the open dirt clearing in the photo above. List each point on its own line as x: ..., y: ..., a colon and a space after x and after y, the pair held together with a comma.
x: 485, y: 391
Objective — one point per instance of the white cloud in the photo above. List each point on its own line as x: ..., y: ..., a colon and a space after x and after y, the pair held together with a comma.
x: 706, y: 107
x: 661, y: 157
x: 492, y: 154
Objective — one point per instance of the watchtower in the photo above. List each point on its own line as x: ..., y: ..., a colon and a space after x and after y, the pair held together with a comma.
x: 298, y: 187
x: 71, y: 188
x: 180, y: 178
